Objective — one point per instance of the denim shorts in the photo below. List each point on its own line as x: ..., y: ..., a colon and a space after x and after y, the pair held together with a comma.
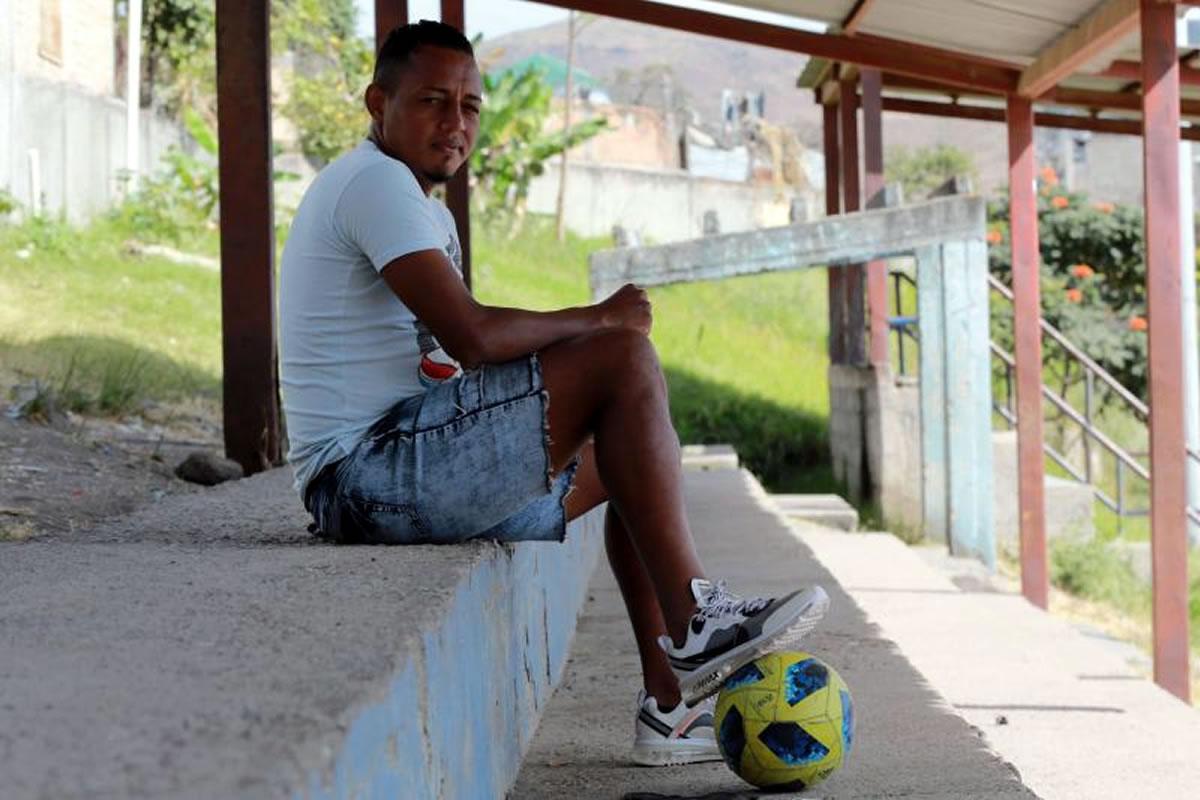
x: 468, y: 459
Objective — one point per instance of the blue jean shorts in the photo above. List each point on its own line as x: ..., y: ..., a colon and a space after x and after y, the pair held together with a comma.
x: 468, y: 459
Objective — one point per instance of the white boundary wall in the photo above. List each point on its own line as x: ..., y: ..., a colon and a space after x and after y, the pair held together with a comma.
x: 79, y: 140
x: 659, y: 205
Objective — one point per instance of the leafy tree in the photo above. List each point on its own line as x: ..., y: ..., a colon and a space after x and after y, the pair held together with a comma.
x: 513, y: 143
x: 923, y: 169
x: 333, y: 68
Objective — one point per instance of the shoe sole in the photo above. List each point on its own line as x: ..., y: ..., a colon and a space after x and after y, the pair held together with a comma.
x: 667, y: 756
x: 810, y: 608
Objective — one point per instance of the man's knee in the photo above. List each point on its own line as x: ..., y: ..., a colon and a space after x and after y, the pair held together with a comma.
x: 629, y: 356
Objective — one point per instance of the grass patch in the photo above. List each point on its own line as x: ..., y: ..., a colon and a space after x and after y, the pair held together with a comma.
x: 94, y: 328
x: 1099, y: 571
x: 745, y: 358
x: 99, y: 330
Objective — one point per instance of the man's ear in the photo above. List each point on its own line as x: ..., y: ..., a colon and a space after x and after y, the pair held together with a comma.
x: 373, y: 98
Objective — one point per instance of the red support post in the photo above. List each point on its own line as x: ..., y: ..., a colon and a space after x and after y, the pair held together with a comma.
x: 251, y: 379
x: 852, y: 283
x: 1168, y: 459
x: 1031, y: 477
x: 389, y: 14
x: 458, y: 190
x: 872, y: 102
x: 833, y: 206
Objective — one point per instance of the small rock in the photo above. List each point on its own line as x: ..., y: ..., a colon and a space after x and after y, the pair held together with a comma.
x: 208, y: 469
x: 1001, y: 719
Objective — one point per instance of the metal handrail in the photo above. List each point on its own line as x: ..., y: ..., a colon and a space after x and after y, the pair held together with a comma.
x: 1129, y: 397
x: 1064, y: 406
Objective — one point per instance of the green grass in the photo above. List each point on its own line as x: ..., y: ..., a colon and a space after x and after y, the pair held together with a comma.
x: 745, y: 358
x: 104, y: 329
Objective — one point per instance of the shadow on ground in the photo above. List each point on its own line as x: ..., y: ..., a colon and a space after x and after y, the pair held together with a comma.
x: 788, y: 449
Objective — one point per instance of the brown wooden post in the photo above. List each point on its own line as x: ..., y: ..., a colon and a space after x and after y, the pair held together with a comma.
x: 833, y: 206
x: 389, y: 14
x: 251, y: 381
x: 852, y: 283
x: 1168, y: 459
x: 872, y: 101
x: 458, y: 190
x: 1027, y: 333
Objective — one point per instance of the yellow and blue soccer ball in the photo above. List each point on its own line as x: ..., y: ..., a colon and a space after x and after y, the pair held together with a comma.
x: 785, y: 721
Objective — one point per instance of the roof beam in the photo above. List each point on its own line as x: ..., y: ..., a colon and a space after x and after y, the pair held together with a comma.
x: 1132, y: 127
x: 854, y: 19
x: 1132, y: 71
x: 890, y: 55
x: 1080, y: 98
x: 1103, y: 28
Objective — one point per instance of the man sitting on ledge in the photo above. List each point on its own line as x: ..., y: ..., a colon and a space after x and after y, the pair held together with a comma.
x: 420, y: 416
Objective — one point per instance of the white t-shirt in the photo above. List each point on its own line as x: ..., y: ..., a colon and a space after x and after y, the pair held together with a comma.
x: 349, y: 349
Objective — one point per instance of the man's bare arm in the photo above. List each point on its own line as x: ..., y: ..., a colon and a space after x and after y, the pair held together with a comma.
x: 474, y: 334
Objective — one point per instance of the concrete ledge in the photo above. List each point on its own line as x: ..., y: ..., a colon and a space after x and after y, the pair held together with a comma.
x: 209, y: 647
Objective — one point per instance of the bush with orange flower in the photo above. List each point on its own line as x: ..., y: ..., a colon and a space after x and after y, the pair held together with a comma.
x: 1092, y: 281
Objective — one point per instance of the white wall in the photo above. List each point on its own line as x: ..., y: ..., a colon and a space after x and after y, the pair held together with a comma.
x: 80, y: 141
x: 87, y: 42
x: 659, y: 205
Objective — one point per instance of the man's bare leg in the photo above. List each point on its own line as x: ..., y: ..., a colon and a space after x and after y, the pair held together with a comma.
x: 640, y: 600
x: 609, y: 386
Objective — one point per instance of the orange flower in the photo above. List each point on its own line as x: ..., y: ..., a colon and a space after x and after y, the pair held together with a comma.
x: 1048, y: 176
x: 1138, y: 324
x: 1059, y: 201
x: 995, y: 237
x: 1082, y: 271
x: 1105, y: 208
x: 1074, y: 295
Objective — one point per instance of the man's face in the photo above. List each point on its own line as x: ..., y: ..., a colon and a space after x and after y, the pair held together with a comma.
x: 431, y: 117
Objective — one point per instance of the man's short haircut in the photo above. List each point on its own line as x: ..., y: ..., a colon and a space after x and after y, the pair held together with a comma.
x: 399, y: 45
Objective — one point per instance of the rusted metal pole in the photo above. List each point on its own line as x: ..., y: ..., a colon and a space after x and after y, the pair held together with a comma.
x: 458, y: 190
x: 251, y: 381
x: 852, y: 283
x: 1168, y: 458
x: 1031, y: 477
x: 872, y: 102
x: 833, y: 206
x: 389, y: 14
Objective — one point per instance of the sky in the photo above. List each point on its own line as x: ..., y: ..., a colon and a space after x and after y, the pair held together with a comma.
x: 495, y: 18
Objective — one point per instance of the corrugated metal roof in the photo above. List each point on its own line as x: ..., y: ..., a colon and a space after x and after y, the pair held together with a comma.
x: 1013, y: 31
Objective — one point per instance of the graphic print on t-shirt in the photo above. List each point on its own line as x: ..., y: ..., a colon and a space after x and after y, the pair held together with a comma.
x: 436, y: 364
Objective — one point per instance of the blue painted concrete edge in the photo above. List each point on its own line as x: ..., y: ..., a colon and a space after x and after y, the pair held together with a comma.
x: 459, y: 715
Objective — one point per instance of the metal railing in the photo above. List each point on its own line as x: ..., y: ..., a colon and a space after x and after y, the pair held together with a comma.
x: 1127, y: 464
x: 904, y: 326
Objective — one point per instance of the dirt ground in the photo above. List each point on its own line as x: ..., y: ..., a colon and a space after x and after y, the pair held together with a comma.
x: 79, y: 471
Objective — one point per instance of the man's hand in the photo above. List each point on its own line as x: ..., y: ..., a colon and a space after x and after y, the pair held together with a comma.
x: 628, y: 307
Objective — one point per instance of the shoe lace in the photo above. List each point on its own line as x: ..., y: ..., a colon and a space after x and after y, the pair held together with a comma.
x: 721, y: 602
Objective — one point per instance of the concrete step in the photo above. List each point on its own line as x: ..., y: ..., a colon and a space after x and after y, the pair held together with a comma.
x: 709, y: 456
x: 908, y: 741
x: 830, y: 510
x: 1069, y: 503
x: 209, y: 647
x: 1048, y: 696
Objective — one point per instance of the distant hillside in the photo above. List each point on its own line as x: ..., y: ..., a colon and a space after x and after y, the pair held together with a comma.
x: 702, y: 66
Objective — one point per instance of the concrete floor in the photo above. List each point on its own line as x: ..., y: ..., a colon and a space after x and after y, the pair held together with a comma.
x: 909, y: 741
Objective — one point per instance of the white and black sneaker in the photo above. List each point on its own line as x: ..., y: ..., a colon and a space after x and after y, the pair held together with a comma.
x: 728, y: 631
x: 681, y: 735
